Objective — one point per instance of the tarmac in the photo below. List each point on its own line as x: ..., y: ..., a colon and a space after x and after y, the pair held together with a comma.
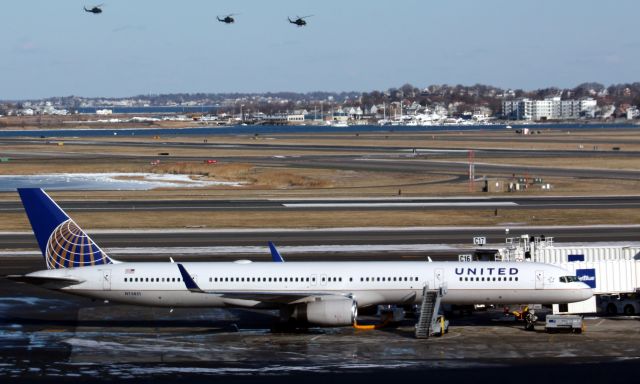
x: 50, y: 336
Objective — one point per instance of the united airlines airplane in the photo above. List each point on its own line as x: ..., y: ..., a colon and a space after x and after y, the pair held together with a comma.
x: 321, y: 293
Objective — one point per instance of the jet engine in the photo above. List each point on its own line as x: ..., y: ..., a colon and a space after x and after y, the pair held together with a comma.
x: 327, y: 312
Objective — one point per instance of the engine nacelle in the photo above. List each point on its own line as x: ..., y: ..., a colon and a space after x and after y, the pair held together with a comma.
x: 327, y: 312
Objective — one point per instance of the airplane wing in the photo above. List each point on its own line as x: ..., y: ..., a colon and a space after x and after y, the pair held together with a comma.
x: 46, y: 281
x: 283, y: 297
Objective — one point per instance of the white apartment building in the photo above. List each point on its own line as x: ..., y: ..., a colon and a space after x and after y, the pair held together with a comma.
x: 552, y: 108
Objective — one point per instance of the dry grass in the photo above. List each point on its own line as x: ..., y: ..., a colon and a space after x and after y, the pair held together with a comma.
x: 330, y: 219
x: 246, y: 173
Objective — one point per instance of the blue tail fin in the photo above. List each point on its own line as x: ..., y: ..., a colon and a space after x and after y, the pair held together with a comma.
x: 62, y: 242
x: 275, y: 255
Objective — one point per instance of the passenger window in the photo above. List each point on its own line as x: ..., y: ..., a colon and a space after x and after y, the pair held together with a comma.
x: 516, y: 278
x: 367, y: 279
x: 416, y: 278
x: 323, y: 279
x: 307, y: 279
x: 477, y: 279
x: 378, y: 279
x: 405, y: 279
x: 178, y: 279
x: 394, y: 279
x: 461, y: 279
x: 313, y: 279
x: 384, y: 279
x: 466, y: 279
x: 351, y: 279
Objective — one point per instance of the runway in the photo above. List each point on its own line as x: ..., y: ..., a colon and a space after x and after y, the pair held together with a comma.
x: 419, y: 148
x: 461, y: 235
x: 394, y: 203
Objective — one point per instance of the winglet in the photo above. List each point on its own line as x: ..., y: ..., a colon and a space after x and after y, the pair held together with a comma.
x: 275, y: 255
x: 188, y: 281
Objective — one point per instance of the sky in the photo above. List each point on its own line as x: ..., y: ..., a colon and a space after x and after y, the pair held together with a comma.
x: 53, y: 48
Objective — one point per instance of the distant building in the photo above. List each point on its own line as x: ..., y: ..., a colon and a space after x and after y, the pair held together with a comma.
x: 552, y: 108
x: 295, y: 118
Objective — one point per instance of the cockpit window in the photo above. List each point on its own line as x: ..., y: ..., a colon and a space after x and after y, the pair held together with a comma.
x: 569, y: 279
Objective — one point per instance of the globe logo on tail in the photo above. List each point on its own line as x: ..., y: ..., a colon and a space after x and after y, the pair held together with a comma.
x: 69, y: 247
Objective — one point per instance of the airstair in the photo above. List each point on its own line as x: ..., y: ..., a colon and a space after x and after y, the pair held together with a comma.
x: 428, y: 311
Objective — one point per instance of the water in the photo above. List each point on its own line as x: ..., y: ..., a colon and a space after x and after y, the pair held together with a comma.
x: 274, y: 129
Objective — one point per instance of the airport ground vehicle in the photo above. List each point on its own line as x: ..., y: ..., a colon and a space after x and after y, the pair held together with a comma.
x: 440, y: 326
x: 626, y: 304
x: 555, y: 323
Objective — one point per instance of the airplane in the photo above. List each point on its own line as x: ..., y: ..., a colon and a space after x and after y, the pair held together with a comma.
x: 317, y: 293
x: 299, y: 21
x: 96, y: 9
x: 227, y: 19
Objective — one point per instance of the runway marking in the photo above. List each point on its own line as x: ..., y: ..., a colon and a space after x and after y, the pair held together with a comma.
x: 396, y: 205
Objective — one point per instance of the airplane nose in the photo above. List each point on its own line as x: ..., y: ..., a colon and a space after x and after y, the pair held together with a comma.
x: 586, y: 292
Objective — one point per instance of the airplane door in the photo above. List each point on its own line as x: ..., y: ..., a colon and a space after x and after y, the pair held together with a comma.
x: 106, y: 279
x: 438, y: 278
x: 539, y: 279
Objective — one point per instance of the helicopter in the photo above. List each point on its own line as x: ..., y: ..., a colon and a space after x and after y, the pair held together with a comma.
x: 96, y: 9
x: 227, y: 19
x: 299, y: 21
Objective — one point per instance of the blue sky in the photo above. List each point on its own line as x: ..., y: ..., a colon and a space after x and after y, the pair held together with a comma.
x: 53, y: 48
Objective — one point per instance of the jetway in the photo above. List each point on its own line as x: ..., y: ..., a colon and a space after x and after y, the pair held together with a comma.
x: 608, y: 268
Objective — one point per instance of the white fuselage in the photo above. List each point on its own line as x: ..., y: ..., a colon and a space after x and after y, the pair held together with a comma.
x: 369, y: 283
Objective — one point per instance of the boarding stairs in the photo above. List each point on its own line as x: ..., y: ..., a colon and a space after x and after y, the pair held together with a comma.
x: 428, y: 311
